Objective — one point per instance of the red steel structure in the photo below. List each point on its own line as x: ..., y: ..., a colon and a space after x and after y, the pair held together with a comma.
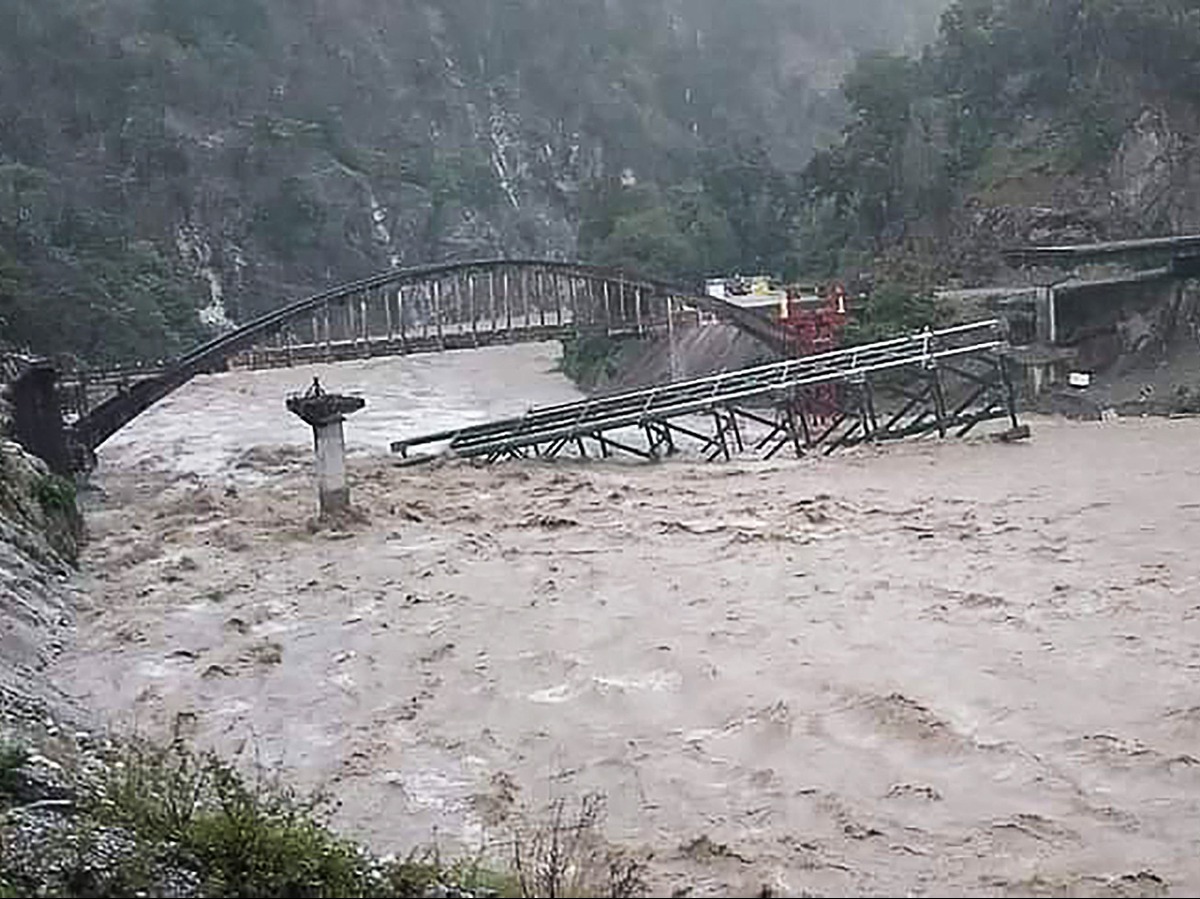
x: 812, y: 329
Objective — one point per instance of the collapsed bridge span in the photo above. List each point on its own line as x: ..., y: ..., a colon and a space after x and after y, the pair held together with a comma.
x: 945, y: 382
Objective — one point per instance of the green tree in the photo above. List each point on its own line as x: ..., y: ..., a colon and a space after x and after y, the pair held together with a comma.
x: 649, y: 241
x: 890, y: 311
x: 290, y: 221
x: 759, y: 202
x: 863, y: 177
x: 681, y: 234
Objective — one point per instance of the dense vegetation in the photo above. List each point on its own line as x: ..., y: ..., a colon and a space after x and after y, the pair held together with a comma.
x: 163, y: 157
x: 160, y: 157
x: 1035, y: 94
x: 162, y: 821
x: 1017, y: 107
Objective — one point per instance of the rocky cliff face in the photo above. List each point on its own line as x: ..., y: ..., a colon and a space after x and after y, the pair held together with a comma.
x: 1148, y: 184
x: 1023, y: 122
x: 168, y: 165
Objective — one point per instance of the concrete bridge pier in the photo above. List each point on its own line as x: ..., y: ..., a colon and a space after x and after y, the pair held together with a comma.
x: 325, y: 412
x: 37, y: 416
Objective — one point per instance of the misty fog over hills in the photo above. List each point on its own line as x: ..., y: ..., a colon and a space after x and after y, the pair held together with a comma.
x: 169, y: 166
x: 164, y: 157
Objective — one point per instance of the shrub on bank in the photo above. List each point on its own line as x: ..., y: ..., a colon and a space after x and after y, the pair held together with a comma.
x: 592, y: 361
x: 166, y: 822
x: 163, y: 821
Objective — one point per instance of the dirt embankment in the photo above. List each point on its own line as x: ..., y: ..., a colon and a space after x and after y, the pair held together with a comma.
x: 39, y: 539
x: 692, y: 352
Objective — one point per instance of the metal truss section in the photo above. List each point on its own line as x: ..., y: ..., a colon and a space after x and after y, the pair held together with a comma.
x: 416, y: 310
x: 942, y: 382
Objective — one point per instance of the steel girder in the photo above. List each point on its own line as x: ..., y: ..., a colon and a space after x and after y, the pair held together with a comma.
x: 945, y: 382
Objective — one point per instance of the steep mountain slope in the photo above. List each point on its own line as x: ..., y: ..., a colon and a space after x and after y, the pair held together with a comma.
x: 164, y: 158
x: 1025, y: 121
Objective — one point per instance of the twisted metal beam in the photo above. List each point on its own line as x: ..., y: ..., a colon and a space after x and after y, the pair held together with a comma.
x: 934, y: 381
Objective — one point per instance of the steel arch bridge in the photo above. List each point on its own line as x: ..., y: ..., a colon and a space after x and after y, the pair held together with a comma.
x: 413, y: 310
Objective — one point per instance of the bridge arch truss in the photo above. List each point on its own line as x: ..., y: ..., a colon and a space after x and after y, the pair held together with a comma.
x: 423, y: 309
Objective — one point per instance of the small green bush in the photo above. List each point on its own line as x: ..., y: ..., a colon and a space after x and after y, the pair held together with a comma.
x: 891, y: 312
x: 56, y: 495
x: 590, y: 361
x: 12, y: 758
x: 243, y: 839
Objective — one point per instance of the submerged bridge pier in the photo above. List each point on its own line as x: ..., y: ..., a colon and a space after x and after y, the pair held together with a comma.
x: 325, y: 413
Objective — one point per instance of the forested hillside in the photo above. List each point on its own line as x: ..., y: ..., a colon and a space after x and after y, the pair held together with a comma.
x: 1026, y: 120
x: 166, y: 165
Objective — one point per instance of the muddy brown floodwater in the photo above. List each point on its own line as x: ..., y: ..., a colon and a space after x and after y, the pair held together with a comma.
x: 967, y: 668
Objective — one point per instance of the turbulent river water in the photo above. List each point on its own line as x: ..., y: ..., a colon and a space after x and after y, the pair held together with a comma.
x: 960, y: 667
